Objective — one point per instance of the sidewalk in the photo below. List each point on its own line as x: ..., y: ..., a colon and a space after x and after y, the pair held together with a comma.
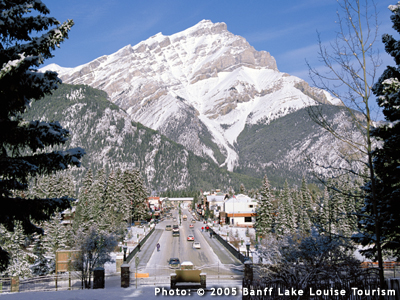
x: 147, y: 249
x: 224, y: 255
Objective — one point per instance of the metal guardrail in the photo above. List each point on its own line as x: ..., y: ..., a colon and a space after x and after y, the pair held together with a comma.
x: 229, y: 246
x: 141, y: 243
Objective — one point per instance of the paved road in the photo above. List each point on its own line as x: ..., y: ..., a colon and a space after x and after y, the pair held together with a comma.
x: 212, y: 258
x: 147, y: 249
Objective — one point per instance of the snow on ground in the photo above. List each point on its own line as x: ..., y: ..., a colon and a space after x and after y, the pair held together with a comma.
x: 114, y: 291
x: 135, y: 233
x: 113, y: 288
x: 237, y: 233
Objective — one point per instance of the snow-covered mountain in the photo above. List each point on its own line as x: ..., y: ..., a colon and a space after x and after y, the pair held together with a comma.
x: 111, y: 140
x: 201, y: 87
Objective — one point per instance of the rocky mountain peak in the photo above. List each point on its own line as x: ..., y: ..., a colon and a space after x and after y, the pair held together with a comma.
x: 206, y: 27
x: 200, y: 87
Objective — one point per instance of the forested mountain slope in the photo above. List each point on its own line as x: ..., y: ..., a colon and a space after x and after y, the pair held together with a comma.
x: 112, y: 140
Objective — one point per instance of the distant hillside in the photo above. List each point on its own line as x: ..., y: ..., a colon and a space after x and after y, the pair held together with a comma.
x: 282, y: 148
x: 111, y: 139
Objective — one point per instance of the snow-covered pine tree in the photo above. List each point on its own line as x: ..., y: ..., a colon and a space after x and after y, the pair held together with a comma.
x: 135, y: 193
x: 253, y: 193
x: 140, y: 211
x: 39, y: 187
x: 289, y: 209
x: 84, y: 217
x: 98, y: 194
x: 56, y: 237
x: 112, y: 215
x: 265, y: 212
x: 305, y: 210
x: 323, y: 214
x: 62, y: 184
x: 281, y: 222
x: 129, y: 190
x: 27, y: 37
x: 124, y: 203
x: 53, y: 186
x: 14, y: 244
x: 346, y: 207
x: 41, y: 266
x: 385, y: 214
x: 242, y: 189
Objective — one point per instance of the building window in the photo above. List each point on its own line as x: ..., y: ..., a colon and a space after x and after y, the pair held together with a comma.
x: 247, y: 219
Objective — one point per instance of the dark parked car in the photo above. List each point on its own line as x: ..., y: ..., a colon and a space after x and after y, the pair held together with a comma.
x: 174, y: 263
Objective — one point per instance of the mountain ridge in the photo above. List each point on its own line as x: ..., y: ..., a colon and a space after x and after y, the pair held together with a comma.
x: 203, y: 75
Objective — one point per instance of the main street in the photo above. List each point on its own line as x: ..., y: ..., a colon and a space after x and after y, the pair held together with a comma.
x: 212, y: 258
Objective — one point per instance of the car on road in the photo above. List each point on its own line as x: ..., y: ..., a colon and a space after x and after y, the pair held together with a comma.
x: 174, y: 263
x: 174, y: 219
x: 191, y: 226
x: 196, y: 245
x: 175, y: 230
x: 193, y: 221
x: 190, y: 238
x: 168, y: 227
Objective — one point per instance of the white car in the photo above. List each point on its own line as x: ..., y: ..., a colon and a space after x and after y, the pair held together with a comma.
x: 196, y: 245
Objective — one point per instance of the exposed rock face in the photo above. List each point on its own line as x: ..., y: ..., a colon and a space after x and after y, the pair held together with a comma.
x: 200, y: 87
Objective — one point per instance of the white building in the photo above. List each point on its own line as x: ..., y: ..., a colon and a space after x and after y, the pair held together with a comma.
x: 241, y: 210
x: 216, y: 203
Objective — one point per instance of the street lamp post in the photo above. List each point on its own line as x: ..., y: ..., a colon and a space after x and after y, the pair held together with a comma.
x: 125, y: 247
x: 248, y: 249
x: 136, y: 266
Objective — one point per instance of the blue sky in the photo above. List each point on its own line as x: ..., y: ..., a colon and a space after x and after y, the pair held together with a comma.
x: 286, y: 29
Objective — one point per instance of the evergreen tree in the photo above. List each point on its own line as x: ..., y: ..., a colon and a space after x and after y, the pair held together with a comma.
x: 112, y: 216
x: 324, y: 215
x: 41, y: 265
x: 288, y: 208
x: 384, y: 213
x: 304, y: 222
x: 40, y: 187
x: 242, y: 189
x: 14, y: 244
x: 265, y: 213
x: 140, y: 208
x: 124, y: 203
x: 98, y: 194
x: 61, y: 184
x: 56, y: 237
x: 346, y: 208
x: 253, y: 193
x: 281, y: 225
x: 84, y: 217
x: 135, y: 193
x: 26, y: 40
